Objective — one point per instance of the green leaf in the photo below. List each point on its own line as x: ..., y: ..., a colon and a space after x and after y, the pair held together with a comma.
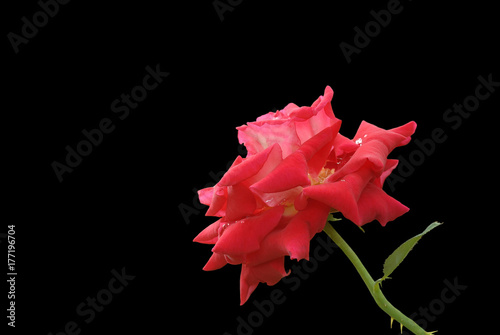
x: 393, y: 261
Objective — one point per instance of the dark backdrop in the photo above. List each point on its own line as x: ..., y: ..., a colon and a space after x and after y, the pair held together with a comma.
x: 128, y: 210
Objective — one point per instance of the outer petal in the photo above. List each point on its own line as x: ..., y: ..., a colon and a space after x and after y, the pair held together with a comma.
x: 375, y: 204
x: 273, y: 199
x: 285, y: 113
x: 343, y: 145
x: 257, y: 136
x: 343, y: 195
x: 290, y: 173
x: 205, y: 195
x: 315, y: 118
x: 218, y: 204
x: 270, y: 273
x: 215, y: 262
x: 391, y: 138
x: 289, y: 127
x: 245, y: 236
x: 406, y: 130
x: 317, y: 149
x: 240, y: 202
x: 209, y: 235
x: 260, y: 164
x: 248, y: 283
x: 315, y: 214
x: 294, y: 238
x: 372, y: 155
x: 390, y: 165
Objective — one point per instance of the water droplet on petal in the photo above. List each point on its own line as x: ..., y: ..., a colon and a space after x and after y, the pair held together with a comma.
x: 222, y: 228
x: 359, y: 141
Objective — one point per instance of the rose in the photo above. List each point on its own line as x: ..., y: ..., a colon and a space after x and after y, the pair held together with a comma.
x: 259, y: 228
x: 298, y: 170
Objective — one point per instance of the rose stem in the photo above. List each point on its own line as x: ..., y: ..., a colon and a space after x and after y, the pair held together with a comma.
x: 374, y: 289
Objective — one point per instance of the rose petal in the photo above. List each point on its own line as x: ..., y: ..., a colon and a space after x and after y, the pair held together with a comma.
x: 372, y: 154
x: 391, y: 138
x: 209, y: 235
x: 294, y: 238
x: 261, y: 163
x: 390, y: 165
x: 342, y: 195
x: 375, y: 204
x: 317, y: 149
x: 215, y: 262
x: 245, y: 236
x: 316, y: 118
x: 291, y: 172
x: 205, y: 195
x: 218, y: 204
x: 257, y: 136
x: 240, y: 202
x: 269, y: 273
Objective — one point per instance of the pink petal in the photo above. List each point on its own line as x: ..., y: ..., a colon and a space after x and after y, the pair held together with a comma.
x: 390, y: 165
x: 316, y: 118
x: 406, y: 130
x: 342, y: 195
x: 289, y: 109
x: 375, y: 204
x: 372, y: 154
x: 245, y: 236
x: 300, y: 202
x: 294, y: 238
x: 209, y: 235
x: 215, y: 262
x: 259, y: 164
x: 317, y: 149
x: 274, y: 199
x: 288, y: 174
x: 240, y: 202
x: 205, y: 195
x: 257, y: 136
x: 343, y: 145
x: 248, y: 284
x: 315, y: 214
x: 392, y: 138
x: 218, y: 204
x: 269, y: 273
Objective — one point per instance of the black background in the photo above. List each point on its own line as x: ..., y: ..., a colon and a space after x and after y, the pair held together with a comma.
x: 120, y: 207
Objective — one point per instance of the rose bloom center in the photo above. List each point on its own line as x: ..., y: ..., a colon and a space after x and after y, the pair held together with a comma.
x: 323, y: 174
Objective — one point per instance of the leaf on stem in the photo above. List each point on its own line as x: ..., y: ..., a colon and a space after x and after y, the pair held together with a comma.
x: 393, y: 261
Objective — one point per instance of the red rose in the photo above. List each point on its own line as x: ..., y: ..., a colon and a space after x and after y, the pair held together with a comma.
x: 298, y: 170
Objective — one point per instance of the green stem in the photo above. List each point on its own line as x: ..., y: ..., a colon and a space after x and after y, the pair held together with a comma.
x: 373, y: 287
